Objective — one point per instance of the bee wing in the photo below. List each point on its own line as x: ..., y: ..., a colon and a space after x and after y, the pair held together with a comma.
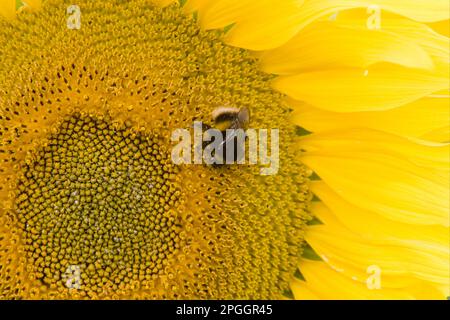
x: 243, y: 116
x: 228, y: 138
x: 234, y: 134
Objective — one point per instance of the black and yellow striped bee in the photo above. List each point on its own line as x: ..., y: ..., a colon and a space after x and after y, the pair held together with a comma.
x: 231, y: 122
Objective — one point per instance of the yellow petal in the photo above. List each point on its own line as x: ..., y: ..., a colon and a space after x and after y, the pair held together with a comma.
x: 393, y: 191
x: 301, y: 292
x: 337, y: 44
x: 328, y: 283
x: 421, y: 153
x: 8, y: 9
x: 435, y: 44
x: 33, y: 4
x: 332, y: 208
x: 433, y: 37
x: 398, y: 184
x: 353, y: 255
x: 420, y: 119
x: 415, y: 242
x: 267, y: 24
x: 442, y: 27
x: 259, y: 25
x: 380, y: 87
x: 419, y: 10
x: 441, y: 134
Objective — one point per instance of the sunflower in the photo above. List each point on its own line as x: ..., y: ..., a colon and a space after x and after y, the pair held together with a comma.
x: 93, y: 207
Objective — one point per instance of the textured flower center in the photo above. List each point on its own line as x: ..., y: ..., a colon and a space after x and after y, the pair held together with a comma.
x: 86, y: 179
x: 100, y: 199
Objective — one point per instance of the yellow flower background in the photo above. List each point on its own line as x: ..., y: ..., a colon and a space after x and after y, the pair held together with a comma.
x: 359, y: 90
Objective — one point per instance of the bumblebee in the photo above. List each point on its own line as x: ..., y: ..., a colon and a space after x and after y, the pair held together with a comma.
x: 231, y: 118
x: 231, y: 122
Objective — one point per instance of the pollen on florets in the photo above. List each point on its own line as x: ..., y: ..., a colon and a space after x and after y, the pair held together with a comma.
x: 86, y: 183
x: 93, y: 199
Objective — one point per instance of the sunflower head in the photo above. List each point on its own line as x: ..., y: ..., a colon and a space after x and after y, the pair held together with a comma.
x: 87, y: 180
x: 92, y: 205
